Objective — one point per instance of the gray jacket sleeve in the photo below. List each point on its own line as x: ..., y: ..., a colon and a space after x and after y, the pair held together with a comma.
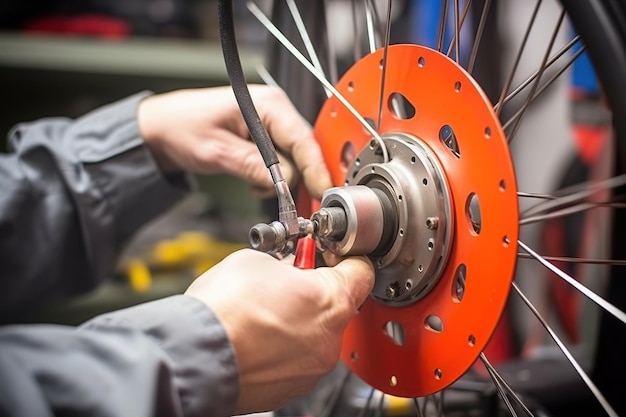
x: 169, y: 357
x: 71, y: 194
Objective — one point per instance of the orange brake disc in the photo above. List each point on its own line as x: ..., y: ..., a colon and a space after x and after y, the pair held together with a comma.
x: 419, y: 347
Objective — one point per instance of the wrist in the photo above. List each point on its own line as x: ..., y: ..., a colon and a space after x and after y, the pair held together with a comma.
x: 149, y: 124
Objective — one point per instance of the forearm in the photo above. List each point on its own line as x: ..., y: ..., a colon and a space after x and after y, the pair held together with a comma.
x: 166, y: 358
x: 73, y: 193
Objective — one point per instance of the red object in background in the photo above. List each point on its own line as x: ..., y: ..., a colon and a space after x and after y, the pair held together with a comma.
x: 84, y: 24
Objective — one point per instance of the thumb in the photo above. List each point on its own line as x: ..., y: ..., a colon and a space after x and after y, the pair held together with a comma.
x: 356, y: 276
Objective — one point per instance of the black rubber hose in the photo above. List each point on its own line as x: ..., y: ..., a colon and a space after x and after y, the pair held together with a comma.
x: 239, y: 84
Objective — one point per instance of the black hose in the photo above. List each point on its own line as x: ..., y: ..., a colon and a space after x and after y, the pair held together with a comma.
x: 239, y: 84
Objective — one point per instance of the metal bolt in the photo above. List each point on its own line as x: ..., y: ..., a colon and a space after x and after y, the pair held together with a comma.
x: 393, y: 290
x: 432, y: 222
x: 330, y: 222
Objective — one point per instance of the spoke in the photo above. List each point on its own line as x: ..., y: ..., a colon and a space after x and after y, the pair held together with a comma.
x: 496, y: 376
x: 254, y: 9
x: 418, y: 409
x: 499, y: 388
x: 545, y: 86
x: 442, y: 25
x: 576, y: 260
x: 381, y: 404
x: 540, y: 72
x: 330, y: 46
x: 530, y: 79
x: 367, y: 403
x: 306, y: 39
x: 265, y: 76
x: 509, y: 80
x: 574, y: 194
x: 610, y: 308
x: 369, y: 22
x: 457, y: 32
x: 592, y: 387
x: 567, y: 211
x: 536, y: 195
x: 384, y: 69
x: 356, y: 32
x: 454, y: 43
x: 478, y: 36
x: 336, y: 396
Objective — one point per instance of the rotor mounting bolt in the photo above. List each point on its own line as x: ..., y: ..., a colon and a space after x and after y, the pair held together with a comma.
x: 432, y: 222
x: 393, y: 290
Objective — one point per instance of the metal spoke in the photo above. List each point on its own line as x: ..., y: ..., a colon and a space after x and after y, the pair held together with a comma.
x: 576, y: 260
x: 610, y: 308
x: 457, y: 32
x: 454, y: 43
x: 499, y: 387
x: 306, y: 39
x: 592, y: 387
x: 330, y: 47
x: 574, y: 194
x: 540, y: 72
x: 545, y: 86
x: 356, y: 32
x: 254, y: 9
x: 518, y: 56
x: 418, y: 409
x: 384, y: 69
x: 478, y: 36
x: 333, y: 401
x: 367, y: 403
x: 369, y: 22
x: 265, y: 75
x: 567, y: 211
x: 496, y: 375
x: 442, y: 25
x: 534, y: 75
x: 381, y: 404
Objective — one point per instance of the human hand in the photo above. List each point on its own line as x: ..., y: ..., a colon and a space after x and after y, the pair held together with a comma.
x: 284, y: 323
x: 202, y: 131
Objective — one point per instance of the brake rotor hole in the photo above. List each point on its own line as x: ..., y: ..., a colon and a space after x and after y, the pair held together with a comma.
x: 434, y: 323
x: 487, y: 132
x: 354, y: 356
x: 458, y: 287
x: 425, y: 181
x: 502, y: 185
x: 447, y: 136
x: 421, y: 62
x: 394, y: 331
x: 393, y: 381
x: 400, y: 107
x: 505, y: 241
x: 408, y: 285
x: 438, y: 374
x: 413, y: 159
x: 430, y: 244
x: 457, y: 86
x: 471, y: 340
x: 420, y: 268
x: 472, y: 211
x: 347, y: 155
x: 350, y: 86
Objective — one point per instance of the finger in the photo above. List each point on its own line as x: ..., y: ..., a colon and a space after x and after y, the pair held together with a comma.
x: 356, y: 276
x: 236, y: 156
x: 292, y: 134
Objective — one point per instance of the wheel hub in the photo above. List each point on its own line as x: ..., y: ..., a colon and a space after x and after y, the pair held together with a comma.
x: 421, y: 330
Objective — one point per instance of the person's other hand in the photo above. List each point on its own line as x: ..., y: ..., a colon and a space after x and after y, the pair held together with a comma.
x: 202, y: 131
x: 284, y: 323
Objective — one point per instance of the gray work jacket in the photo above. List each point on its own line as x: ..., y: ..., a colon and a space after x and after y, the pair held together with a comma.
x: 71, y: 194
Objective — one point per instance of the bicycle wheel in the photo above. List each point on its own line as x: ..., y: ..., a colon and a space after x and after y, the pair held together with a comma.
x: 433, y: 127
